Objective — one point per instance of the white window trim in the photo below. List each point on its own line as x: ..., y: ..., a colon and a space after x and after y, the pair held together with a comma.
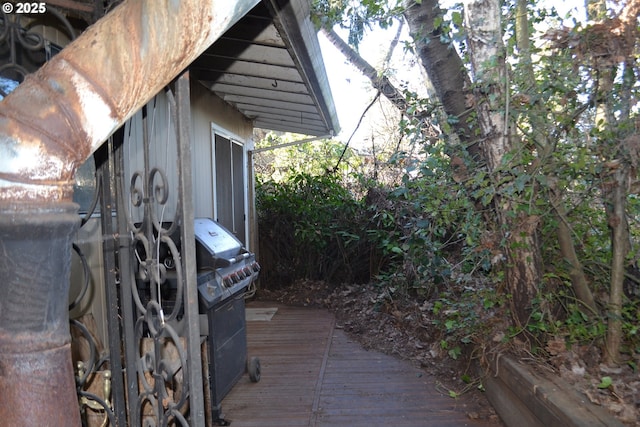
x: 245, y: 144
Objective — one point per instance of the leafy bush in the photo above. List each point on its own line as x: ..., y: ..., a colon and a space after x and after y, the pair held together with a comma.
x: 311, y: 227
x: 428, y: 229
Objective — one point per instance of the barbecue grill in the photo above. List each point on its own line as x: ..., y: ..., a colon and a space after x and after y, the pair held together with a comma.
x: 228, y: 269
x: 225, y: 270
x: 220, y: 251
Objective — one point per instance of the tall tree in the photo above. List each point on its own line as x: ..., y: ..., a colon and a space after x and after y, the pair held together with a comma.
x: 540, y: 134
x: 517, y: 118
x: 483, y: 123
x: 474, y: 106
x: 378, y: 80
x: 483, y: 24
x: 621, y: 32
x: 444, y: 67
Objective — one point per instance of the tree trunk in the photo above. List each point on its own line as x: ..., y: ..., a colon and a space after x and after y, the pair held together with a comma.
x: 486, y: 137
x: 522, y: 247
x: 522, y: 34
x: 619, y: 250
x: 445, y: 70
x: 540, y: 132
x: 616, y: 189
x: 579, y: 282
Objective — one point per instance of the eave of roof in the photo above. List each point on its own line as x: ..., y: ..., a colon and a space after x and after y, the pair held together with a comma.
x: 269, y: 67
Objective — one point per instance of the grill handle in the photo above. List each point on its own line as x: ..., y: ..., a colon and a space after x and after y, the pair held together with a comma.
x: 239, y: 258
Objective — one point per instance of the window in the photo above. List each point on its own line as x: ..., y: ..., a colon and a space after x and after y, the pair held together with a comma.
x: 230, y: 186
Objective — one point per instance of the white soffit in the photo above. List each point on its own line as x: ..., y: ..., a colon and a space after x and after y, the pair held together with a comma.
x: 269, y: 67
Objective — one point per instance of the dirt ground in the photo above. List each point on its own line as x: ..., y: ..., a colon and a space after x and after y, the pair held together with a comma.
x: 402, y: 329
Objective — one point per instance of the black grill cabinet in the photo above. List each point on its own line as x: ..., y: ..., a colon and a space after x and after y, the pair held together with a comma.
x: 229, y: 270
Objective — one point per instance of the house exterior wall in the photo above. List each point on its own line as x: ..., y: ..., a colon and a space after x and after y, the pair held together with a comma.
x: 207, y: 112
x: 160, y: 131
x: 210, y: 116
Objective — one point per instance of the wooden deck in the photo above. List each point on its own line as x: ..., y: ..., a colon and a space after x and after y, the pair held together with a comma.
x: 314, y: 375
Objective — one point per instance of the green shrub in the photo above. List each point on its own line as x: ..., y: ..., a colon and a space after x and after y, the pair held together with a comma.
x: 311, y: 227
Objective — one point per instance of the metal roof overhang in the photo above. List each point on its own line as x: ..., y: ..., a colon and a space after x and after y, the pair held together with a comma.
x: 269, y: 67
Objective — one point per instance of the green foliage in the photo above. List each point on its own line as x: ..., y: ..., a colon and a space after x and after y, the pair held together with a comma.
x: 313, y: 157
x: 450, y: 27
x: 630, y: 327
x: 428, y: 229
x: 431, y: 236
x: 465, y: 315
x: 559, y: 314
x: 413, y: 238
x: 310, y: 227
x: 356, y: 16
x: 605, y: 382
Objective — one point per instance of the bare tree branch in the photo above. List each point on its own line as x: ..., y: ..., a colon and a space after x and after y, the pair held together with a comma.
x: 379, y: 82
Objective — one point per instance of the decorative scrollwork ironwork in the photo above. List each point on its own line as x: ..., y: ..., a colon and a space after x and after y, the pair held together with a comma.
x: 157, y: 292
x: 19, y: 33
x: 93, y: 370
x: 161, y: 364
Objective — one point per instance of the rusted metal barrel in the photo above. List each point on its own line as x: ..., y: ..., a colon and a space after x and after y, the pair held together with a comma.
x: 36, y: 375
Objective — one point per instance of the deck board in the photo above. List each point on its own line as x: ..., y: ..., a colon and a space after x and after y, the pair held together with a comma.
x: 314, y: 375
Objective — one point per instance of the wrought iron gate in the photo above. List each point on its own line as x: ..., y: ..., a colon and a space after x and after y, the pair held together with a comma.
x: 154, y: 342
x: 151, y: 374
x: 161, y: 337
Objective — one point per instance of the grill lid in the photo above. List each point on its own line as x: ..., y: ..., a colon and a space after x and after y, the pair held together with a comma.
x: 215, y: 242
